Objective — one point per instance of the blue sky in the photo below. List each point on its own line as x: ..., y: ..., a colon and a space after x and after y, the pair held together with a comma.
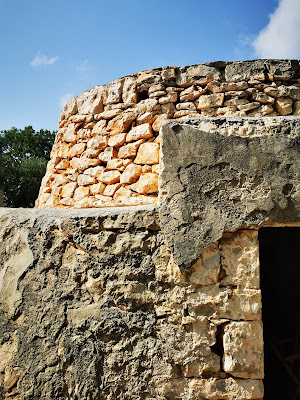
x: 52, y: 50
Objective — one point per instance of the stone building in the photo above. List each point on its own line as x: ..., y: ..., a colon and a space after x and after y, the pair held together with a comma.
x: 165, y: 232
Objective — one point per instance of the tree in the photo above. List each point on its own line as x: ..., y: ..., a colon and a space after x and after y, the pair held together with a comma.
x: 23, y: 159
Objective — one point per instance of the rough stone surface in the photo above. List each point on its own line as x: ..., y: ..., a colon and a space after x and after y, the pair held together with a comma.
x: 211, y: 182
x: 93, y: 306
x: 107, y: 123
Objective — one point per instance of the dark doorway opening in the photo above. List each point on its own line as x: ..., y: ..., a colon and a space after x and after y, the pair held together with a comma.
x: 280, y: 284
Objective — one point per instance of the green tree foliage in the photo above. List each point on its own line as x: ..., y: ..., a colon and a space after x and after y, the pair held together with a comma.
x: 24, y: 158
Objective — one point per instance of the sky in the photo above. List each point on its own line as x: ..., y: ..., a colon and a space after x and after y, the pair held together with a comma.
x: 53, y: 50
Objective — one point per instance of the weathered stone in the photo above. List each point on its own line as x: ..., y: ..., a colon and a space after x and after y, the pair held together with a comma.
x: 77, y: 149
x: 171, y: 97
x: 235, y: 101
x: 85, y: 180
x: 110, y: 177
x: 130, y: 149
x: 196, y: 206
x: 192, y: 93
x: 207, y: 269
x: 249, y: 106
x: 80, y: 192
x: 131, y: 174
x: 160, y: 120
x: 210, y: 100
x: 130, y: 93
x: 243, y: 349
x: 196, y: 75
x: 121, y: 123
x: 117, y: 140
x: 262, y: 98
x: 115, y: 163
x: 186, y: 106
x: 99, y: 142
x: 68, y: 189
x: 107, y: 154
x: 115, y: 89
x: 148, y: 183
x: 139, y: 132
x: 111, y: 189
x: 94, y: 171
x: 283, y: 105
x: 148, y: 153
x: 183, y: 113
x: 83, y: 163
x: 240, y: 259
x: 297, y: 108
x: 91, y: 101
x: 97, y: 188
x: 99, y: 128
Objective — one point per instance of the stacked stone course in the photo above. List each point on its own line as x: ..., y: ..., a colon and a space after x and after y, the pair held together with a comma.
x: 106, y: 152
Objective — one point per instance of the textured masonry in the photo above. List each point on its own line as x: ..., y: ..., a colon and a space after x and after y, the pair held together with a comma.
x: 156, y: 301
x: 106, y: 152
x: 93, y: 306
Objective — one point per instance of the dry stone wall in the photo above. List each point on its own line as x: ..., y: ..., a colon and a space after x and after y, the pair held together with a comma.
x: 106, y: 152
x: 94, y: 307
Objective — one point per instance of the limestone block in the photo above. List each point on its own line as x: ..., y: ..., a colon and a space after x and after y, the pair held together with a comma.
x: 171, y: 97
x: 131, y: 174
x: 84, y: 179
x: 115, y: 89
x: 111, y: 189
x: 157, y: 94
x: 283, y: 105
x: 108, y: 154
x: 202, y: 366
x: 121, y: 123
x: 97, y: 188
x: 148, y: 183
x: 63, y: 164
x: 130, y: 149
x: 69, y: 109
x: 192, y: 93
x: 210, y: 100
x: 77, y: 149
x: 297, y: 108
x: 186, y: 106
x: 146, y: 117
x: 233, y: 86
x: 68, y: 189
x: 249, y: 106
x: 184, y: 113
x: 81, y: 192
x: 168, y: 73
x: 207, y: 269
x: 226, y: 389
x: 130, y: 93
x: 262, y: 98
x: 98, y: 142
x: 235, y: 101
x: 115, y: 163
x: 243, y: 349
x: 110, y: 177
x: 196, y: 206
x: 91, y: 101
x: 240, y: 259
x: 94, y: 171
x: 148, y: 153
x: 84, y: 163
x: 139, y: 132
x: 160, y: 120
x: 117, y: 140
x: 99, y: 128
x: 216, y: 301
x: 122, y: 192
x: 294, y: 93
x: 158, y: 87
x: 196, y: 75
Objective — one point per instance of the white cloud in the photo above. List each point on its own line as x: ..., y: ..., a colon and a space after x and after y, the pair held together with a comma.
x: 83, y: 67
x: 281, y: 37
x: 41, y: 59
x: 65, y: 98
